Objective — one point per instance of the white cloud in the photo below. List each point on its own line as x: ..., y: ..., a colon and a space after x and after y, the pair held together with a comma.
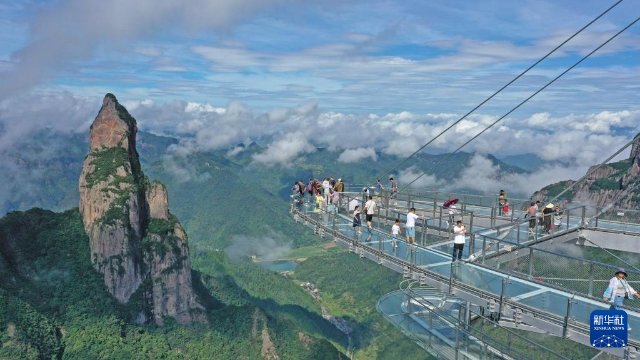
x: 576, y: 139
x: 355, y: 155
x: 417, y: 179
x: 23, y: 116
x: 284, y: 150
x: 203, y: 108
x: 72, y: 30
x: 270, y: 247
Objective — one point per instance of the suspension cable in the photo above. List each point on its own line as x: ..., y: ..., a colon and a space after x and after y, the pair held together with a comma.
x: 388, y: 171
x: 528, y: 98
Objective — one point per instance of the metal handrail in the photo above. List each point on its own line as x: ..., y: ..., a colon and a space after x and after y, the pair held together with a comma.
x: 481, y: 336
x: 387, y: 260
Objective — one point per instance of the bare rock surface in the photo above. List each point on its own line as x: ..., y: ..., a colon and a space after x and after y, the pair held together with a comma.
x: 136, y: 244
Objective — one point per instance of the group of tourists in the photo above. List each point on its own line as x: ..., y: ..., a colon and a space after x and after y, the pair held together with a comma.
x: 324, y: 194
x: 549, y: 219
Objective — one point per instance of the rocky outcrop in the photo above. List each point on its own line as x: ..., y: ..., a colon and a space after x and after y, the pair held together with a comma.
x: 112, y: 200
x: 167, y: 256
x: 137, y: 245
x: 614, y: 183
x: 635, y: 148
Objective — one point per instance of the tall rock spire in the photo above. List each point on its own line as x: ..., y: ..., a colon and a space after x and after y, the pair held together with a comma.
x: 136, y: 244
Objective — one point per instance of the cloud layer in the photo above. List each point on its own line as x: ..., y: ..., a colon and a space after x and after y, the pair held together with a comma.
x: 72, y: 31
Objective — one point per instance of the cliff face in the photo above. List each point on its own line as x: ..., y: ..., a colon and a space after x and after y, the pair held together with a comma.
x: 614, y: 182
x: 112, y: 200
x: 167, y: 258
x: 136, y: 244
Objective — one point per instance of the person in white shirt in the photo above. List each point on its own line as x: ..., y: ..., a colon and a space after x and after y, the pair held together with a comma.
x: 326, y: 185
x: 370, y: 208
x: 395, y: 231
x: 458, y: 241
x: 618, y: 290
x: 410, y: 226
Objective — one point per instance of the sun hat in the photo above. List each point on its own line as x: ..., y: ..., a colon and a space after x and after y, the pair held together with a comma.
x: 549, y: 206
x: 621, y: 270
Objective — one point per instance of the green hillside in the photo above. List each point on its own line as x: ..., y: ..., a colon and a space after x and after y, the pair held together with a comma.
x: 54, y: 306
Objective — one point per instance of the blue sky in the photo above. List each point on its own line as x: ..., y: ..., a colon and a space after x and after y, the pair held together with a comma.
x: 355, y: 57
x: 353, y: 76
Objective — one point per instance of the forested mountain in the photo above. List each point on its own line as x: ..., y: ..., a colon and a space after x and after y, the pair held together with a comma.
x: 57, y: 306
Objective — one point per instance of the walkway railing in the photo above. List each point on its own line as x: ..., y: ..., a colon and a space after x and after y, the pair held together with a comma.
x: 455, y: 329
x: 541, y: 306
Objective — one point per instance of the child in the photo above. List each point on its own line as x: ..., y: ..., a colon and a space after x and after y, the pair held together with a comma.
x: 505, y: 208
x: 395, y: 231
x: 319, y: 202
x: 356, y: 220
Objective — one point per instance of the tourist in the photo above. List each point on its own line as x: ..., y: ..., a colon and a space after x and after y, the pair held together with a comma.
x: 395, y: 231
x: 370, y: 209
x: 531, y: 214
x: 394, y: 190
x: 393, y: 185
x: 320, y: 202
x: 356, y: 220
x: 379, y: 187
x: 502, y: 198
x: 311, y: 188
x: 326, y: 185
x: 339, y: 187
x: 410, y: 226
x: 334, y: 199
x: 458, y: 241
x: 557, y: 218
x: 547, y: 215
x: 301, y: 188
x: 506, y: 208
x: 618, y: 290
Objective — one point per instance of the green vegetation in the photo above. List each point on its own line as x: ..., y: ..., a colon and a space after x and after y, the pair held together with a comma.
x: 162, y: 226
x: 215, y: 203
x: 106, y: 162
x: 350, y: 288
x: 312, y: 250
x: 605, y: 184
x: 554, y: 189
x: 621, y: 166
x: 55, y: 306
x: 118, y: 212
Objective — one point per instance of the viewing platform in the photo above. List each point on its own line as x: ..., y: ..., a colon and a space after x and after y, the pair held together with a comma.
x: 513, y: 276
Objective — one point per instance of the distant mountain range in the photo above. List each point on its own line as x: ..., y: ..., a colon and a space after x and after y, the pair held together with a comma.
x: 529, y: 162
x: 55, y: 305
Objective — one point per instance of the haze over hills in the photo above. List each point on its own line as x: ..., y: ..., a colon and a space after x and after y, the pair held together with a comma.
x: 232, y: 208
x: 122, y: 290
x: 45, y: 176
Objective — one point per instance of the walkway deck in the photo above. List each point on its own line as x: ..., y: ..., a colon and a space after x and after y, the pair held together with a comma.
x: 545, y: 303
